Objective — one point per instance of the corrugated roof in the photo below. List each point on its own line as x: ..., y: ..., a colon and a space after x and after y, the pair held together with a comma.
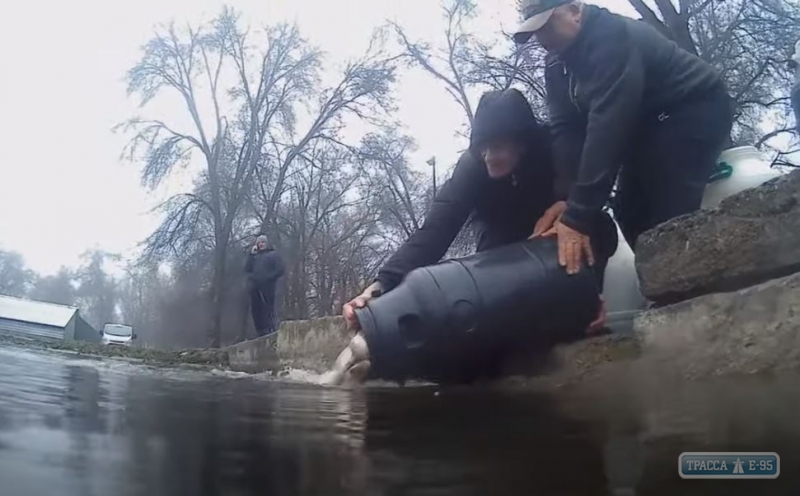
x: 35, y: 311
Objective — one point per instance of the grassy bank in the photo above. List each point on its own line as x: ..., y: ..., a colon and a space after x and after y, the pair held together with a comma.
x: 211, y: 358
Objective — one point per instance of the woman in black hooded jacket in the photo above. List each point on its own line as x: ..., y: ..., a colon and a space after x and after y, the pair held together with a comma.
x: 505, y: 182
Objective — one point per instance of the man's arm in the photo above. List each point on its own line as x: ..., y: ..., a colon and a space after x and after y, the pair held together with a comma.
x: 450, y: 210
x: 567, y: 129
x: 616, y: 76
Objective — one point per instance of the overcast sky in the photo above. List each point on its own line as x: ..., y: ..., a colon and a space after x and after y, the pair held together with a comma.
x: 63, y: 187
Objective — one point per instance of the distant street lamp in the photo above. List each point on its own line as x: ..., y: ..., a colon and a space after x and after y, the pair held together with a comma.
x: 432, y: 163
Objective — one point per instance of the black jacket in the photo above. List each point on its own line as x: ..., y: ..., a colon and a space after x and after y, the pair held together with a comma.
x: 263, y: 268
x: 504, y: 211
x: 618, y: 71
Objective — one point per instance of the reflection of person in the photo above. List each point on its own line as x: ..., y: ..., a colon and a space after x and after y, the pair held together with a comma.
x: 622, y: 98
x: 264, y: 267
x: 505, y: 180
x: 795, y: 63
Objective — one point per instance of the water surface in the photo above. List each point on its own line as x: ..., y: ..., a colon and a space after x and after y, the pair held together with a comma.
x: 85, y: 427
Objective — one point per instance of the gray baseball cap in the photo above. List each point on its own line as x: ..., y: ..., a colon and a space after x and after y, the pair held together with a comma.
x: 536, y: 14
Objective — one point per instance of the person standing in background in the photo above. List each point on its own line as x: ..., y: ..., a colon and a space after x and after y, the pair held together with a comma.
x: 264, y: 267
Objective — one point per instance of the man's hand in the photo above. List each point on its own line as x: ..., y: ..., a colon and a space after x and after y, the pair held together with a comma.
x: 572, y: 246
x: 600, y: 321
x: 549, y: 219
x: 360, y: 301
x: 254, y: 249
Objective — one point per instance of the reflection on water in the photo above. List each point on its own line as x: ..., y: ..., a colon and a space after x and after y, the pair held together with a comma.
x: 82, y: 427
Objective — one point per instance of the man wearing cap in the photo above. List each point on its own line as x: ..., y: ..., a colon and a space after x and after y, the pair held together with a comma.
x: 623, y: 100
x: 263, y: 268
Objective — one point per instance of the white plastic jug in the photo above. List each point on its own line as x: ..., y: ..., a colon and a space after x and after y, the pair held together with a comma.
x: 749, y: 170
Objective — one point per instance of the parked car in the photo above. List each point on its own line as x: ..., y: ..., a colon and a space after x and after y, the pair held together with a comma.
x: 739, y: 169
x: 117, y: 334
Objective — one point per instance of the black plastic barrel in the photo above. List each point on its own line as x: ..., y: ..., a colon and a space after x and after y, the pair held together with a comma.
x: 458, y: 320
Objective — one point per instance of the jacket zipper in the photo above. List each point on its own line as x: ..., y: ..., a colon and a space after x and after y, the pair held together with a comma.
x: 573, y: 90
x: 572, y: 84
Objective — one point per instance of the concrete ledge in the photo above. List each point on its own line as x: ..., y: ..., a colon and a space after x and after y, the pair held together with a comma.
x: 254, y: 356
x: 307, y: 344
x: 751, y: 331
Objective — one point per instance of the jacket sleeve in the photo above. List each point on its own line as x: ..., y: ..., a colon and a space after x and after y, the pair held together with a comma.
x: 450, y: 210
x: 614, y: 74
x: 567, y: 130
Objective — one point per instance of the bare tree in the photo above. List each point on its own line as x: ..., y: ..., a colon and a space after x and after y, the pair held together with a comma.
x: 231, y: 147
x: 450, y: 61
x: 141, y: 294
x: 59, y: 288
x: 315, y: 221
x: 15, y: 278
x: 364, y: 92
x: 238, y: 149
x: 399, y: 194
x: 96, y: 294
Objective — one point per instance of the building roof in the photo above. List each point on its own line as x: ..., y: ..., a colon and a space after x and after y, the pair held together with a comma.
x: 35, y: 311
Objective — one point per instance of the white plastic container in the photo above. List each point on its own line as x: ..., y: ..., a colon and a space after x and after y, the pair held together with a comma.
x: 749, y: 170
x: 621, y: 289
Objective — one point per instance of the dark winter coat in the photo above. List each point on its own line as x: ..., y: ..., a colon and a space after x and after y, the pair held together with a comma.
x: 503, y: 211
x: 618, y: 71
x: 263, y: 269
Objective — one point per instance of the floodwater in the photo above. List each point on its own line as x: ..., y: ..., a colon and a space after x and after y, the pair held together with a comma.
x: 85, y: 427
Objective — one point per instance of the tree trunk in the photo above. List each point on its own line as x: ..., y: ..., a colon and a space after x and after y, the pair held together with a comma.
x: 244, y: 307
x: 217, y: 296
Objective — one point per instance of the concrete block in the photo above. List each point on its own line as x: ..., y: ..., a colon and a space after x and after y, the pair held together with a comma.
x: 750, y: 238
x: 753, y: 330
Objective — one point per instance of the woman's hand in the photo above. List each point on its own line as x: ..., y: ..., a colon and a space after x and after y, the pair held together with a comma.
x: 549, y: 219
x: 360, y: 301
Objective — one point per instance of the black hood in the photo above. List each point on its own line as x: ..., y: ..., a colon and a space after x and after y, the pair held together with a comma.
x: 502, y: 115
